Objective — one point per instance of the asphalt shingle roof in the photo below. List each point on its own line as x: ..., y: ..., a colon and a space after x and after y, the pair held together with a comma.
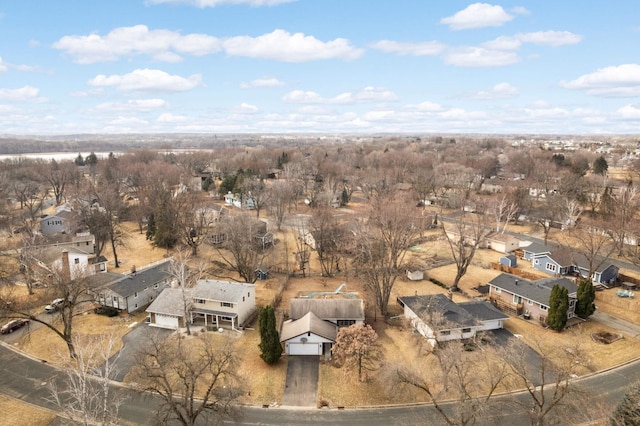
x: 539, y: 291
x: 308, y: 323
x: 327, y: 308
x: 142, y: 279
x: 169, y: 302
x: 223, y: 291
x: 451, y: 312
x: 483, y: 311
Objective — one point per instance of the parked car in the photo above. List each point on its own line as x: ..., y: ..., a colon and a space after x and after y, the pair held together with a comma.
x: 13, y: 325
x: 54, y: 306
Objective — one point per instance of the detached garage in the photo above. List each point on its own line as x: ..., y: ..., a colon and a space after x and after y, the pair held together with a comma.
x: 308, y: 335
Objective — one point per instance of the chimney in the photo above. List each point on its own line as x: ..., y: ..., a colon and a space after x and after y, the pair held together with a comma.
x: 516, y: 281
x: 66, y: 268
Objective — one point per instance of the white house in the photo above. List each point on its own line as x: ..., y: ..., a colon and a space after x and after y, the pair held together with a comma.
x: 439, y: 319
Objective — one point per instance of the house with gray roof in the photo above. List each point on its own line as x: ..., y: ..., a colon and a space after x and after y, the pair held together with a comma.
x: 530, y: 299
x: 342, y: 312
x: 308, y: 335
x: 210, y: 303
x: 440, y: 319
x: 136, y: 290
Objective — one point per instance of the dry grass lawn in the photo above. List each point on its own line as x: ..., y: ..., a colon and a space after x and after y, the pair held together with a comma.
x: 137, y: 250
x: 16, y: 412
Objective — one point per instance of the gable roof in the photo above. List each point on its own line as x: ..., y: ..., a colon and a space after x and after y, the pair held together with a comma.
x: 309, y: 323
x: 538, y: 248
x: 327, y: 308
x: 169, y: 302
x: 223, y: 291
x: 451, y: 312
x: 539, y: 291
x: 142, y: 279
x: 563, y: 256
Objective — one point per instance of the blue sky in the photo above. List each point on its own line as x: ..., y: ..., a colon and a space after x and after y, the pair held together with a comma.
x: 329, y: 66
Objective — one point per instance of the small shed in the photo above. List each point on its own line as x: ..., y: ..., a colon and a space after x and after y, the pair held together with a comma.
x: 261, y: 273
x: 415, y: 274
x: 509, y: 260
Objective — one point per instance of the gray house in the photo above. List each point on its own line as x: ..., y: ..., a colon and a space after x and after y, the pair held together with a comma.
x: 560, y: 260
x: 137, y: 290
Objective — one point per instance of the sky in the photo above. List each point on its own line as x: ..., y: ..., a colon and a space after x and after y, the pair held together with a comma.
x: 319, y: 66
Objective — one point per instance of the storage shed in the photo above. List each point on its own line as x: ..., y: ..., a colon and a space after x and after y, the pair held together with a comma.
x: 509, y: 260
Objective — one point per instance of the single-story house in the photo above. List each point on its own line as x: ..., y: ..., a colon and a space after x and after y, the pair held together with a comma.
x: 439, y: 319
x: 308, y: 335
x: 313, y: 323
x: 518, y: 296
x: 136, y: 290
x: 562, y: 260
x: 238, y: 200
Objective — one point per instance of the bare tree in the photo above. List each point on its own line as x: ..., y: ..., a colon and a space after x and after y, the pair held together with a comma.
x: 626, y: 204
x: 240, y: 250
x: 450, y: 373
x: 281, y: 196
x: 502, y: 210
x: 382, y: 243
x: 329, y: 236
x: 464, y: 235
x: 357, y: 348
x: 592, y: 244
x: 58, y: 175
x: 255, y: 189
x: 186, y: 278
x: 86, y: 394
x: 194, y: 377
x: 194, y: 219
x: 61, y: 286
x: 547, y: 379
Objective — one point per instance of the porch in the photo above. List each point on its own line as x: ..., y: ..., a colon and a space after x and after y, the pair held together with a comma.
x: 208, y: 318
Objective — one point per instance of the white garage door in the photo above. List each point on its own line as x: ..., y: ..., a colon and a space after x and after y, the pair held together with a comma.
x: 305, y: 349
x: 166, y: 321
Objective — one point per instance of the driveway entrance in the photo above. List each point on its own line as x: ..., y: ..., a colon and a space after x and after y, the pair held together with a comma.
x: 301, y: 386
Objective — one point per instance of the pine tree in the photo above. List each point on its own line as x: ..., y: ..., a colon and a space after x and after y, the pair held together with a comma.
x: 600, y: 166
x: 628, y: 411
x: 586, y: 296
x: 151, y: 226
x: 558, y: 305
x: 269, y: 339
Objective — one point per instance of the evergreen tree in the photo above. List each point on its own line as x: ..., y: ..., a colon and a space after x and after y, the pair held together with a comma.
x: 558, y: 305
x: 79, y: 161
x: 151, y: 226
x: 345, y: 197
x: 92, y: 159
x: 207, y: 184
x: 600, y: 166
x: 269, y: 339
x: 586, y: 296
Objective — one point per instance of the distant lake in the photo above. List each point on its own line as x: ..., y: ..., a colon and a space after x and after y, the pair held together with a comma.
x: 58, y: 156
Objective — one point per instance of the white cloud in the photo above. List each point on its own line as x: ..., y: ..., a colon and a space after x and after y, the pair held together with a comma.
x: 520, y: 10
x: 281, y: 45
x: 163, y: 45
x: 503, y: 43
x: 167, y: 117
x: 550, y: 38
x: 480, y: 57
x: 614, y: 81
x: 23, y: 94
x: 3, y: 66
x: 367, y: 94
x: 134, y: 105
x: 214, y: 3
x: 426, y: 48
x: 426, y: 106
x: 147, y: 80
x: 499, y: 91
x: 629, y: 112
x: 245, y: 108
x: 262, y: 82
x: 477, y: 15
x: 86, y: 93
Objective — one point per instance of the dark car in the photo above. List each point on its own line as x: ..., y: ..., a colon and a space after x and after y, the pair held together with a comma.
x: 13, y: 325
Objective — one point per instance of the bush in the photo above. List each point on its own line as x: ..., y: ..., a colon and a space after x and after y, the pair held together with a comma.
x: 436, y: 282
x: 106, y: 311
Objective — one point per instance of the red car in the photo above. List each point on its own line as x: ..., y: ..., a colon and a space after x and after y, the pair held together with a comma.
x: 13, y: 325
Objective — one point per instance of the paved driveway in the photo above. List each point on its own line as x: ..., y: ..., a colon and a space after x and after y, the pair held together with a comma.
x: 533, y: 359
x: 131, y: 342
x: 301, y: 387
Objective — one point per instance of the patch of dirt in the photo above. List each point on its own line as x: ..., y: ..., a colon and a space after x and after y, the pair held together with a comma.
x: 605, y: 337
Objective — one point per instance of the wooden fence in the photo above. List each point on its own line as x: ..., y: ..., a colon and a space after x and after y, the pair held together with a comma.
x: 515, y: 271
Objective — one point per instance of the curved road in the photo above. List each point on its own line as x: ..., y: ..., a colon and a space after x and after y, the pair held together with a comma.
x: 27, y: 379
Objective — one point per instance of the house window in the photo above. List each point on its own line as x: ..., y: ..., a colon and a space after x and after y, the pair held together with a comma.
x: 200, y: 301
x: 466, y: 330
x: 345, y: 323
x: 536, y: 262
x: 115, y: 298
x: 497, y: 290
x: 551, y: 267
x: 156, y: 286
x: 249, y: 294
x: 572, y: 302
x: 445, y: 332
x: 135, y: 306
x: 517, y: 299
x: 529, y: 302
x: 226, y: 318
x: 243, y: 298
x: 226, y: 304
x: 135, y: 294
x: 76, y: 261
x: 543, y: 308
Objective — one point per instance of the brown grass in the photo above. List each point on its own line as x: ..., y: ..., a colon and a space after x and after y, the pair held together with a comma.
x: 16, y: 412
x: 621, y: 307
x: 137, y: 250
x: 45, y: 344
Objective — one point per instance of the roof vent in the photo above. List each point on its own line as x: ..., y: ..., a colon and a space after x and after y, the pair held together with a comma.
x: 516, y: 282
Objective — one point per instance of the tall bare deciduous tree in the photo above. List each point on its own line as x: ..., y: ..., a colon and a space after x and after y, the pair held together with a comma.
x: 451, y: 373
x: 195, y: 378
x: 382, y: 243
x: 464, y: 235
x: 186, y: 274
x: 329, y: 237
x: 61, y: 286
x: 86, y: 394
x: 282, y: 195
x: 241, y: 250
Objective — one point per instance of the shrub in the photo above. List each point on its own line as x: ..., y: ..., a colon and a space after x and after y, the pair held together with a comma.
x: 106, y: 311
